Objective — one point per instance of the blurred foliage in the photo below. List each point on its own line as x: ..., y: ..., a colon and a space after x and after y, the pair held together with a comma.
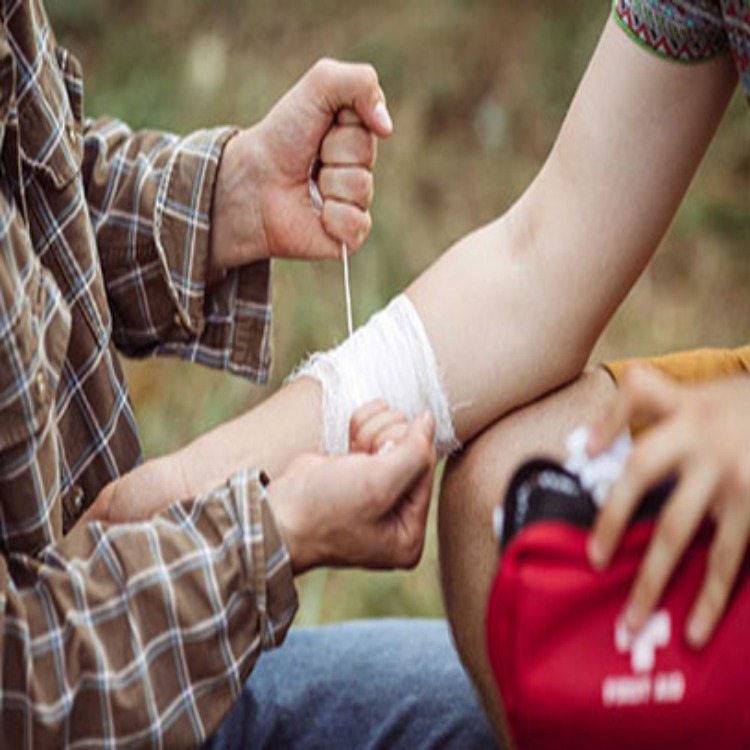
x: 478, y: 89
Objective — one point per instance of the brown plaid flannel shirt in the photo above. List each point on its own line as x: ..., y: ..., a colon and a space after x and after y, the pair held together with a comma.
x: 132, y: 634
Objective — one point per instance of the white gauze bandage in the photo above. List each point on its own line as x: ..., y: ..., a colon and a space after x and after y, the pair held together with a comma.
x: 389, y: 358
x: 598, y: 475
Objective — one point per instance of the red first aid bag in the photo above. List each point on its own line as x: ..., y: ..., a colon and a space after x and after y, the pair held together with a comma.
x: 569, y: 675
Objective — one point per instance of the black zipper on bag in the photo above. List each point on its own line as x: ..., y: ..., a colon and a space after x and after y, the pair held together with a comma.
x: 544, y: 490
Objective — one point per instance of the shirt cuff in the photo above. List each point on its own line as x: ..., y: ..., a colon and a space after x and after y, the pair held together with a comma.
x: 267, y: 559
x: 228, y: 324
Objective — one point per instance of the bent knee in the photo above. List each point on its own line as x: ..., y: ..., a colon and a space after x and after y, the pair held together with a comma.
x: 471, y: 488
x: 468, y: 556
x: 467, y: 545
x: 474, y: 482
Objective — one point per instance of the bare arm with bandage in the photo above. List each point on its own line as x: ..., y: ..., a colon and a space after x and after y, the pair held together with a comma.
x: 513, y: 309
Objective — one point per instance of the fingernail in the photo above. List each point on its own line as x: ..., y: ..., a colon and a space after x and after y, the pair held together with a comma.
x: 596, y: 554
x: 696, y: 631
x: 387, y: 446
x: 630, y: 618
x: 383, y: 117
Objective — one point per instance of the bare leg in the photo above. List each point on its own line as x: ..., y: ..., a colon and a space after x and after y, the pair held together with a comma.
x: 473, y: 484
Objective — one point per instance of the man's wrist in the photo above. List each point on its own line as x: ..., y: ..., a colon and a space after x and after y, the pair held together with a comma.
x: 296, y: 543
x: 237, y: 229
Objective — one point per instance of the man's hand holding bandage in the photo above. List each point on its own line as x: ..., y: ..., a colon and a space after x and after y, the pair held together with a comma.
x: 329, y: 121
x: 367, y: 509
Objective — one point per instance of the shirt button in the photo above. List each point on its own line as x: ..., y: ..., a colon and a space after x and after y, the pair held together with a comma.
x: 182, y: 333
x: 41, y: 389
x: 76, y: 498
x: 72, y: 132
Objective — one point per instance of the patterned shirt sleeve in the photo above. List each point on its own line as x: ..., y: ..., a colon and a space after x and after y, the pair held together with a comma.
x: 142, y: 634
x: 149, y: 196
x: 684, y: 31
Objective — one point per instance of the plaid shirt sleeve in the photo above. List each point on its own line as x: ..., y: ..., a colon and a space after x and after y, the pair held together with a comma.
x: 142, y: 634
x: 135, y: 634
x: 149, y: 196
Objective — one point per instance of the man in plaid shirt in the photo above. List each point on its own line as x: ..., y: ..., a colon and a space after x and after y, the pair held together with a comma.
x: 144, y: 633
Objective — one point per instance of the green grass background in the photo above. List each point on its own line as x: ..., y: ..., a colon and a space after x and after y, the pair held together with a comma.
x: 477, y: 89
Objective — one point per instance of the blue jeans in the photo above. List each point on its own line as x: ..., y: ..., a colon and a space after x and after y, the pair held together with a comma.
x: 367, y: 684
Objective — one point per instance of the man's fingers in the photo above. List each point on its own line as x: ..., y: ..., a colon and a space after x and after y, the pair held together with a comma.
x: 726, y: 555
x: 644, y: 394
x: 366, y: 435
x: 411, y: 522
x: 348, y: 116
x: 387, y: 438
x: 362, y: 415
x: 352, y: 86
x: 674, y: 531
x: 345, y: 181
x: 409, y: 459
x: 346, y: 223
x: 652, y: 460
x: 354, y: 185
x: 410, y: 517
x: 349, y: 145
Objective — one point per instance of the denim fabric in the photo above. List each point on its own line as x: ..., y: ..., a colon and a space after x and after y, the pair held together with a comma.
x: 366, y: 684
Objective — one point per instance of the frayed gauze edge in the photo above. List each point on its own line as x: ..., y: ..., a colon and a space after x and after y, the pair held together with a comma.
x: 389, y: 358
